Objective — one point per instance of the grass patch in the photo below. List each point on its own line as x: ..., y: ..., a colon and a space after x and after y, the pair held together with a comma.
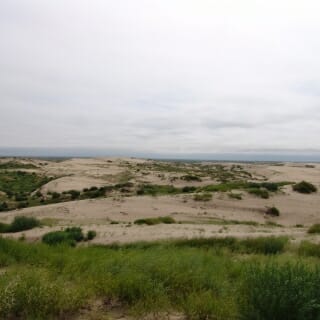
x: 203, y: 196
x: 314, y: 228
x: 154, y: 221
x: 237, y: 196
x: 304, y: 187
x: 16, y: 165
x: 220, y: 279
x: 273, y: 211
x: 69, y: 236
x: 153, y: 190
x: 19, y: 223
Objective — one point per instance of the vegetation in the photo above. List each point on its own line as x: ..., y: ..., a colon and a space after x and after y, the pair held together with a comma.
x: 19, y: 223
x: 304, y: 187
x: 237, y: 196
x: 16, y: 165
x: 153, y: 221
x: 69, y: 236
x: 273, y: 211
x: 204, y: 196
x: 314, y: 228
x: 153, y: 190
x: 91, y: 234
x: 200, y: 278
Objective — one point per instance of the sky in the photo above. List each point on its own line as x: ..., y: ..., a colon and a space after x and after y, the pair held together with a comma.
x: 165, y: 77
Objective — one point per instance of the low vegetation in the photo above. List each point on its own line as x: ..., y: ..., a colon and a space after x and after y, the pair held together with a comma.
x: 153, y: 221
x: 16, y: 165
x: 213, y: 278
x: 273, y: 211
x: 68, y: 236
x: 19, y: 223
x: 314, y: 228
x: 304, y: 187
x: 203, y: 196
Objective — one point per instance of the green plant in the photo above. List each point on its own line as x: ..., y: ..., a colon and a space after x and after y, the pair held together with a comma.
x: 153, y: 221
x: 304, y: 187
x: 314, y: 228
x: 204, y: 196
x: 237, y: 196
x: 69, y: 236
x: 275, y: 291
x: 22, y: 223
x: 91, y: 234
x: 273, y: 211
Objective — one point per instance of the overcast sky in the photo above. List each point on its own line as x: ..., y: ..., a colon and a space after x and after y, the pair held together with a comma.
x: 167, y: 76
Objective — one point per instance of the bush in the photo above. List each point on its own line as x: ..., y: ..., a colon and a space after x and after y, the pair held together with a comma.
x: 262, y: 193
x: 314, y: 228
x: 309, y: 249
x: 188, y: 189
x: 21, y: 223
x: 190, y: 177
x: 273, y: 211
x: 68, y: 236
x: 205, y: 196
x: 280, y: 292
x: 153, y: 221
x: 91, y: 234
x: 304, y: 187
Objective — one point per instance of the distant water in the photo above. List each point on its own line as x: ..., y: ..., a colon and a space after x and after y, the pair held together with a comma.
x: 61, y: 153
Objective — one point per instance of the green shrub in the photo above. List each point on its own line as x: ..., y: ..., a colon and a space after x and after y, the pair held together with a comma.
x: 304, y: 187
x: 153, y: 221
x: 69, y: 236
x: 190, y: 177
x: 261, y: 193
x: 21, y: 223
x: 273, y: 211
x: 91, y: 234
x: 280, y: 292
x: 314, y: 228
x: 188, y: 189
x: 237, y: 196
x: 204, y: 196
x: 307, y: 248
x: 263, y: 245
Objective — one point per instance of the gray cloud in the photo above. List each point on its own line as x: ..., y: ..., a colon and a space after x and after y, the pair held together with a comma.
x: 157, y: 76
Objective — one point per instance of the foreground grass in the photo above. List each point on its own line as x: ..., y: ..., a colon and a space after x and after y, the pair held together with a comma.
x: 200, y: 278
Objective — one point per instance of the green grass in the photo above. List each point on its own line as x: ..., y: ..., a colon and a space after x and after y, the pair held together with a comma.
x: 153, y: 190
x: 16, y: 165
x: 68, y: 236
x: 214, y: 278
x: 20, y: 182
x: 314, y: 228
x: 203, y: 196
x: 19, y: 223
x: 154, y: 221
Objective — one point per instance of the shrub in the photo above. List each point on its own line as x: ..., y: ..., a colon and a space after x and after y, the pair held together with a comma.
x: 262, y: 193
x: 204, y: 196
x: 314, y: 228
x: 190, y: 177
x: 280, y: 292
x: 273, y: 211
x: 188, y: 189
x: 153, y: 221
x: 3, y: 206
x: 304, y: 187
x: 21, y: 223
x: 91, y: 234
x: 68, y: 236
x: 57, y: 237
x: 237, y: 196
x: 307, y: 248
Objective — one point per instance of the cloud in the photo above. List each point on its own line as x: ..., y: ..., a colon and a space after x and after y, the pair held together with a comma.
x: 160, y: 76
